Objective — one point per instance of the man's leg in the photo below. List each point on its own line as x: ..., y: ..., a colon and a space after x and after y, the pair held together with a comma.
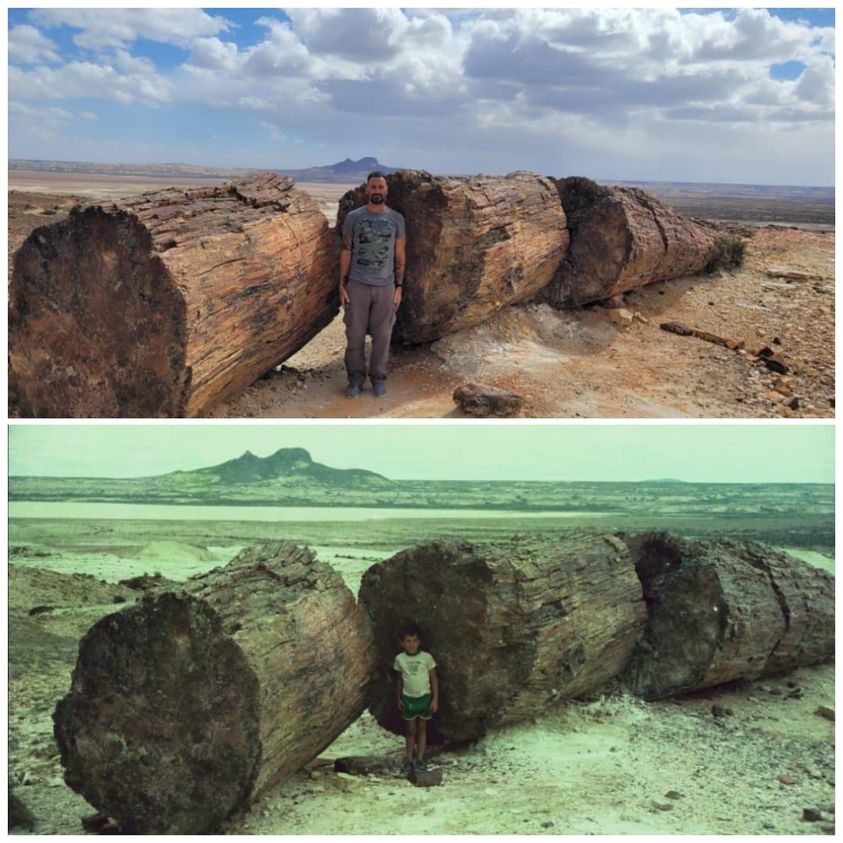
x: 356, y: 320
x: 381, y: 320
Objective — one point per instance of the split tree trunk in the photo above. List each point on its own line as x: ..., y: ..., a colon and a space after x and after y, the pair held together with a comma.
x: 167, y: 303
x: 513, y: 626
x: 188, y: 705
x: 621, y: 238
x: 725, y: 610
x: 474, y: 246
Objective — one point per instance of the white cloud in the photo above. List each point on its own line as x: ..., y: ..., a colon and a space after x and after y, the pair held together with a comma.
x: 28, y: 45
x: 109, y: 28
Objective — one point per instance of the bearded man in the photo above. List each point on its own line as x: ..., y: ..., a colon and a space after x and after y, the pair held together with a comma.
x: 372, y: 259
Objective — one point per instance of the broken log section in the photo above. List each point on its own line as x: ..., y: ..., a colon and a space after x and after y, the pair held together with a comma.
x: 167, y: 303
x: 723, y: 610
x: 188, y: 705
x: 513, y: 626
x: 477, y: 399
x: 621, y: 238
x: 474, y: 246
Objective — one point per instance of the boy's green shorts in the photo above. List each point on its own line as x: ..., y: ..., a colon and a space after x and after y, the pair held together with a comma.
x: 416, y: 707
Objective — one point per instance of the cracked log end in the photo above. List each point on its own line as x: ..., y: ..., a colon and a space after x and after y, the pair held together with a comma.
x: 96, y: 324
x: 160, y: 727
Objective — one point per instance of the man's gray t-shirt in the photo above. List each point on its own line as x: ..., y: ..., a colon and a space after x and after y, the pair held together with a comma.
x: 373, y: 239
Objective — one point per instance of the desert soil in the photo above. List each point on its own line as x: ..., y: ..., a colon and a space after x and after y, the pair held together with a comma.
x: 592, y: 362
x: 615, y: 765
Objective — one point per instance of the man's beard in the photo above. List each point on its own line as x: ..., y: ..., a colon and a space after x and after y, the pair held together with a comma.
x: 376, y: 199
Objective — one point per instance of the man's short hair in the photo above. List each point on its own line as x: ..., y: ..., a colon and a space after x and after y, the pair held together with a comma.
x: 375, y: 174
x: 409, y: 628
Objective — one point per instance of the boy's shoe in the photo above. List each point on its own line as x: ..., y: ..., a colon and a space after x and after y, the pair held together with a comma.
x: 379, y: 388
x: 407, y: 767
x: 353, y: 389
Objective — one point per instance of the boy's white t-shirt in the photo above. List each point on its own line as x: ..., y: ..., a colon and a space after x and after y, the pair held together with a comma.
x: 415, y: 671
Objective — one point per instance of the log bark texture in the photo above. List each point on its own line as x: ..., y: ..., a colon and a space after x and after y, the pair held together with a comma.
x: 621, y: 238
x: 474, y: 246
x: 725, y: 610
x: 513, y: 626
x: 188, y: 705
x: 167, y: 303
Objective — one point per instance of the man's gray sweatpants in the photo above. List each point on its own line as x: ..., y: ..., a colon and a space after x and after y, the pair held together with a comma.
x: 370, y: 310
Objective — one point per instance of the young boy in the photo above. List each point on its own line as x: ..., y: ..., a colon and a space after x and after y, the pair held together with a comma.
x: 417, y: 694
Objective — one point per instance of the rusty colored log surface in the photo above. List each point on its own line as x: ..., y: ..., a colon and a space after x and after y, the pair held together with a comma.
x: 167, y: 303
x: 474, y: 246
x: 621, y: 238
x: 190, y: 704
x: 513, y: 626
x: 723, y: 610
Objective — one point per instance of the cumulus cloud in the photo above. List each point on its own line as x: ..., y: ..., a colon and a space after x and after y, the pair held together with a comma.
x: 465, y: 80
x: 109, y: 28
x: 28, y: 45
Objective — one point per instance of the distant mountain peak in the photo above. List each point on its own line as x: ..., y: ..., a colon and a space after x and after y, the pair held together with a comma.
x: 350, y: 166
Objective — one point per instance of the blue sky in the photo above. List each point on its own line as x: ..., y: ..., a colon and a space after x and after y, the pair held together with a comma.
x: 694, y: 95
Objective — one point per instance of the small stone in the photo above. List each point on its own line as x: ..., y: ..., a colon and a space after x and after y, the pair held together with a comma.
x: 795, y: 694
x: 825, y: 711
x: 547, y: 824
x: 718, y: 711
x: 785, y: 779
x: 663, y: 806
x: 673, y: 794
x: 811, y: 815
x: 480, y: 400
x: 316, y: 774
x: 783, y: 388
x: 793, y: 403
x: 622, y: 316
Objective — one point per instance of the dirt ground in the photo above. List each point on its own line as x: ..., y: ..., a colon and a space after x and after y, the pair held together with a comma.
x: 614, y: 766
x: 592, y: 362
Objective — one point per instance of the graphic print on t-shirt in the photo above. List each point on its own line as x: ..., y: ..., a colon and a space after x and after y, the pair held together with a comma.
x: 374, y: 238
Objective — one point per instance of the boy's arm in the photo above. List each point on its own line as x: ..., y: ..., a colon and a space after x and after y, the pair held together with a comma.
x: 434, y: 687
x: 399, y: 690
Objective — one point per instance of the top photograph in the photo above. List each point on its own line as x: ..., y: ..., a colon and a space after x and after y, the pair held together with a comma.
x: 421, y: 213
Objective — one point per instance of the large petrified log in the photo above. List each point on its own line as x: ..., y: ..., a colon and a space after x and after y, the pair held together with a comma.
x: 621, y: 237
x: 474, y: 245
x: 188, y: 705
x: 513, y: 626
x: 722, y: 610
x: 166, y: 303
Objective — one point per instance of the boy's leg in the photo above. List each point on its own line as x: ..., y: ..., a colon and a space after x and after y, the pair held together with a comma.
x: 410, y: 743
x: 421, y: 738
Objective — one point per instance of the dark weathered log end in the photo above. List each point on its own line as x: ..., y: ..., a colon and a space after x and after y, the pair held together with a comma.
x: 723, y: 610
x: 96, y: 323
x: 160, y: 729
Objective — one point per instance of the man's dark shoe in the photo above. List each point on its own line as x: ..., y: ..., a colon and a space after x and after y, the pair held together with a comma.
x: 379, y: 388
x: 353, y: 389
x: 421, y: 767
x: 406, y: 767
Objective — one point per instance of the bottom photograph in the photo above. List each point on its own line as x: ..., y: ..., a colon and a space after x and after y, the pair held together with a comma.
x: 408, y: 629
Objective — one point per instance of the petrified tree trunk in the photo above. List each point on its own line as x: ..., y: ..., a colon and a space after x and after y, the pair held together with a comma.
x: 166, y: 303
x: 724, y: 610
x: 188, y: 705
x: 513, y: 626
x: 474, y: 245
x: 621, y: 237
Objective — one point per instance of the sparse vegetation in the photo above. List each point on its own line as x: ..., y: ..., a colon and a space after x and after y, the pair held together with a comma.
x: 729, y: 254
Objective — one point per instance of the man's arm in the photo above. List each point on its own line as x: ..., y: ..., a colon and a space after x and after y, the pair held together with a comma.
x: 345, y: 263
x: 434, y: 687
x: 400, y: 260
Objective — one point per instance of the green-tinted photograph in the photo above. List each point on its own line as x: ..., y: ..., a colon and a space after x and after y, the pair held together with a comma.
x: 421, y: 629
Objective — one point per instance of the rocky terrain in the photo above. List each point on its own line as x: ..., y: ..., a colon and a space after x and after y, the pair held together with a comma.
x: 748, y: 758
x: 592, y: 361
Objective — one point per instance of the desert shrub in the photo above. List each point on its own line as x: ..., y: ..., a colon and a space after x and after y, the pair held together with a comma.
x: 729, y: 253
